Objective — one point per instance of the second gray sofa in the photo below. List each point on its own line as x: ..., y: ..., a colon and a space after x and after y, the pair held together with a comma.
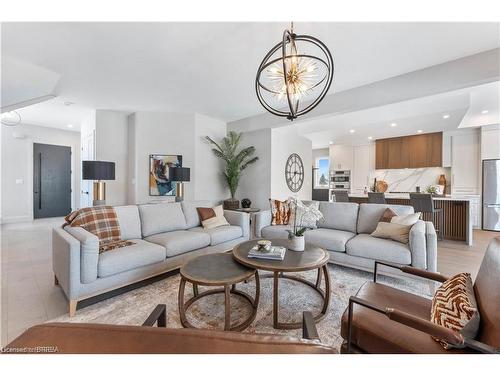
x: 345, y: 233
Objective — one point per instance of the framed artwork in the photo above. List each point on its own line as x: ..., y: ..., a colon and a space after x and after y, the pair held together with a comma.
x: 159, y: 182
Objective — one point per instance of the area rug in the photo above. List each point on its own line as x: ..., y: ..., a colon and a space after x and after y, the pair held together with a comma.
x: 133, y: 307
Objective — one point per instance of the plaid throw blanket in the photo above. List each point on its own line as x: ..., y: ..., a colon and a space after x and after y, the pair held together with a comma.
x: 101, y: 221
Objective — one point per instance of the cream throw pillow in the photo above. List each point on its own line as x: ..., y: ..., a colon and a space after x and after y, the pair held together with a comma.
x: 406, y: 219
x: 392, y: 231
x: 217, y: 221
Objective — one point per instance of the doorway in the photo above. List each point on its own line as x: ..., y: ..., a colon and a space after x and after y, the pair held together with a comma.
x: 51, y: 180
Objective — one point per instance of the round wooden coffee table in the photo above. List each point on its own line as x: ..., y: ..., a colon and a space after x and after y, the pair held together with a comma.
x: 217, y: 270
x: 295, y: 261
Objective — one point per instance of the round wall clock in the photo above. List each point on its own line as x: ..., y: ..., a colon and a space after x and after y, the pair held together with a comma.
x: 294, y: 173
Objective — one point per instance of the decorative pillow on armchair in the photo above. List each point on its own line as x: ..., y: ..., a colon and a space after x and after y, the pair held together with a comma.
x: 280, y: 212
x: 212, y: 217
x: 454, y: 306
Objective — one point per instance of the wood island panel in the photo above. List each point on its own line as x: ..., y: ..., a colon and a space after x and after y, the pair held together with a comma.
x: 455, y: 215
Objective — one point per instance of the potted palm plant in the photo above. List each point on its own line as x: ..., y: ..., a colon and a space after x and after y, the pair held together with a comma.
x: 235, y: 162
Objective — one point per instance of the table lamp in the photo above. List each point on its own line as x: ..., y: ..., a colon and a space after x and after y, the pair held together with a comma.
x: 98, y: 171
x: 179, y: 175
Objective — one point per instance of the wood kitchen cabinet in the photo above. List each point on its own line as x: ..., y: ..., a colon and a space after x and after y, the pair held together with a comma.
x: 416, y: 151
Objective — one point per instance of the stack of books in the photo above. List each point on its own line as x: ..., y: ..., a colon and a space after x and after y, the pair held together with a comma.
x: 274, y: 253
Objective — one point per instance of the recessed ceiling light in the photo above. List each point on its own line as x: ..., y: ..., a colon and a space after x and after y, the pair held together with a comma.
x: 370, y: 137
x: 70, y: 125
x: 351, y: 131
x: 393, y: 124
x: 446, y: 116
x: 419, y: 131
x: 331, y: 142
x: 68, y: 103
x: 484, y: 112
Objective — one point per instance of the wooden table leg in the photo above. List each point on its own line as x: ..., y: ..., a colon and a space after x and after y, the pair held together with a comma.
x: 327, y: 288
x: 275, y: 299
x: 227, y: 302
x: 180, y: 302
x: 233, y: 287
x: 195, y: 290
x: 318, y: 278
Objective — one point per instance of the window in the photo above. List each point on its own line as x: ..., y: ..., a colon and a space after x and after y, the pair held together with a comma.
x: 322, y: 173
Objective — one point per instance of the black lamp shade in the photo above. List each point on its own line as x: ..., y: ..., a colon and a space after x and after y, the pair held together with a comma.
x: 98, y: 170
x: 180, y: 174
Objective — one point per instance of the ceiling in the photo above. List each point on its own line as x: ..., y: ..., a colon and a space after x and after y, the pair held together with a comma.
x: 210, y: 68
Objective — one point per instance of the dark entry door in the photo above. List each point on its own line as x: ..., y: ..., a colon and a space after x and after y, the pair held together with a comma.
x: 51, y: 180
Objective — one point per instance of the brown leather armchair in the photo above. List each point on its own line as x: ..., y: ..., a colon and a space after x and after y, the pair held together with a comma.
x: 146, y: 339
x: 382, y: 319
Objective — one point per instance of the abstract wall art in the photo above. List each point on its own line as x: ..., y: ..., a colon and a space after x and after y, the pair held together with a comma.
x: 159, y: 182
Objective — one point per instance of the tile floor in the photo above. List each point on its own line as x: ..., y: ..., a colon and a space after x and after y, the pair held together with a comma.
x: 29, y: 297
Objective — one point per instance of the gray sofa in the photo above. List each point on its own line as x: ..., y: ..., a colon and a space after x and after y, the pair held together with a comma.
x: 345, y: 233
x: 165, y: 236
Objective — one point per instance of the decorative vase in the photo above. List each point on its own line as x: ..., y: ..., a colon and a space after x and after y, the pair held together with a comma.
x: 442, y: 181
x: 246, y: 203
x: 231, y: 204
x: 296, y: 243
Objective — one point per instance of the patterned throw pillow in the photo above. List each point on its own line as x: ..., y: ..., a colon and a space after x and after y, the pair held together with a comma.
x: 308, y: 214
x: 280, y: 212
x: 454, y: 306
x: 387, y: 215
x: 212, y: 217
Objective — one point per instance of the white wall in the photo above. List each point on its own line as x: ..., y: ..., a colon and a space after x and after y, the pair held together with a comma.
x: 17, y: 164
x: 285, y: 141
x: 208, y: 181
x: 319, y: 153
x: 111, y: 140
x: 255, y: 182
x: 490, y: 142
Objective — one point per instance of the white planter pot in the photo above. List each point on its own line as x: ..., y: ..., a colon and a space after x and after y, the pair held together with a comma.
x: 296, y: 243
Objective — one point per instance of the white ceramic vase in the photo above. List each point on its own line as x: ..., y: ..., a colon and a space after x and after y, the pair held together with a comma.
x: 296, y: 243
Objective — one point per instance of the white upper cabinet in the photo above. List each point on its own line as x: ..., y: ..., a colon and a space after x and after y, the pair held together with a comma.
x: 446, y: 149
x: 364, y: 164
x: 341, y: 157
x: 465, y: 151
x: 490, y: 142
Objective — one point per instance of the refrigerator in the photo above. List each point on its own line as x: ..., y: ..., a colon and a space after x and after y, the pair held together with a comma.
x: 491, y: 195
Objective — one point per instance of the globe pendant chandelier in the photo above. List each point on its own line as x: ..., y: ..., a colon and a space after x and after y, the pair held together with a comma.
x: 294, y: 76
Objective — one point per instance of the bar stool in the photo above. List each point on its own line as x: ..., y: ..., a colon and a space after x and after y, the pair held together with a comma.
x: 341, y: 196
x: 378, y: 198
x: 425, y: 203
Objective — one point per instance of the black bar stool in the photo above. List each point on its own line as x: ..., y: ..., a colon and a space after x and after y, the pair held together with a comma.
x: 378, y: 198
x: 425, y: 203
x: 341, y: 196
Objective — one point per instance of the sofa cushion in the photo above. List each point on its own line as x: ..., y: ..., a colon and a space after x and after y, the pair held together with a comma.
x: 366, y: 246
x: 370, y: 213
x: 220, y: 234
x: 142, y: 253
x: 180, y: 241
x: 275, y: 232
x: 189, y: 209
x: 129, y: 220
x: 338, y: 215
x: 161, y: 217
x: 329, y: 239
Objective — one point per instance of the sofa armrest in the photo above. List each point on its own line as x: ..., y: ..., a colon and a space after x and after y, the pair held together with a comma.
x: 431, y: 246
x: 418, y: 245
x: 262, y: 220
x: 89, y: 253
x: 241, y: 219
x: 66, y: 261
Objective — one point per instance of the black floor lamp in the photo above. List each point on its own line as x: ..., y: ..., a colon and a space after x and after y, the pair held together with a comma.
x: 179, y: 175
x: 98, y: 171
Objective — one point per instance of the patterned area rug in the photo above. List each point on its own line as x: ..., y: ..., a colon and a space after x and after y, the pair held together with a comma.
x: 133, y: 307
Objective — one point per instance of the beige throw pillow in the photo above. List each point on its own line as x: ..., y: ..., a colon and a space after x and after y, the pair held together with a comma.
x: 406, y: 219
x: 216, y: 221
x: 391, y: 231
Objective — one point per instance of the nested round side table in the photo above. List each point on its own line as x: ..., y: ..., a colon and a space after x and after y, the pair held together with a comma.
x: 218, y: 270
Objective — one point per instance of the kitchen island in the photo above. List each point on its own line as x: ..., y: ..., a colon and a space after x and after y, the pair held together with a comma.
x: 457, y: 211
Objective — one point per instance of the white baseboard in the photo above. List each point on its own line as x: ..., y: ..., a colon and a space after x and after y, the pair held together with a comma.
x: 15, y: 219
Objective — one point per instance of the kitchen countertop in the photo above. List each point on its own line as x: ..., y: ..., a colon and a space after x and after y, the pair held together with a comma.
x: 438, y: 197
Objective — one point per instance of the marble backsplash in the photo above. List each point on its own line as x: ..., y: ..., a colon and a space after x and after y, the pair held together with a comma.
x: 406, y: 180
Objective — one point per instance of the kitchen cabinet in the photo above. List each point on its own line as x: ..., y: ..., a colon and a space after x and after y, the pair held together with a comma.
x: 363, y: 165
x: 465, y: 163
x: 341, y: 157
x: 416, y: 151
x: 490, y: 142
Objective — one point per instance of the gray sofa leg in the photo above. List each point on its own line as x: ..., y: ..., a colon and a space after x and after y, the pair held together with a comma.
x: 72, y: 307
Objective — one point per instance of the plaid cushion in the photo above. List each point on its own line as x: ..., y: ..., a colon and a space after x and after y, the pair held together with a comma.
x: 100, y: 221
